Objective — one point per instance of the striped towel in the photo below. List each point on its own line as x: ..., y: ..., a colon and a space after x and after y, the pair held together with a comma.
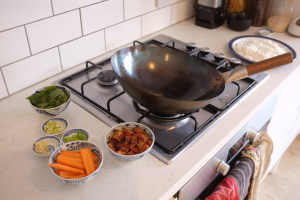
x: 226, y: 190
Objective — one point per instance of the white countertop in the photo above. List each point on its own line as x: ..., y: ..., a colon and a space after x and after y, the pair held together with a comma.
x: 24, y: 175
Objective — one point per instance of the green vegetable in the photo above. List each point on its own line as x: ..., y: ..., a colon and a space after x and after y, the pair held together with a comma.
x: 50, y: 97
x: 80, y: 136
x: 54, y: 127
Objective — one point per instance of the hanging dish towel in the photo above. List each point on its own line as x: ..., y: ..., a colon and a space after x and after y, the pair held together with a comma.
x: 265, y: 145
x: 244, y: 179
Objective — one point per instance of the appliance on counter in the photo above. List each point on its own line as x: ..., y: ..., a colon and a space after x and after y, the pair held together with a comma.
x: 97, y: 90
x: 210, y: 13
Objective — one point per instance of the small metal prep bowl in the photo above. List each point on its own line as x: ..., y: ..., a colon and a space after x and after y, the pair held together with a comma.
x: 130, y: 126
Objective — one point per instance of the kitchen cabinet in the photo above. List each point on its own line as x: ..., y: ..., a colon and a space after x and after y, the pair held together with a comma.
x: 285, y: 123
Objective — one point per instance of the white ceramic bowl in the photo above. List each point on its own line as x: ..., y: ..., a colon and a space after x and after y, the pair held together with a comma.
x: 130, y: 126
x: 74, y: 132
x: 76, y: 146
x: 294, y: 27
x: 265, y: 32
x: 53, y: 111
x: 65, y: 122
x: 53, y: 141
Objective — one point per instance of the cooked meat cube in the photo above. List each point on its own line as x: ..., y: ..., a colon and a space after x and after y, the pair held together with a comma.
x: 130, y: 153
x: 129, y: 139
x: 140, y: 144
x: 149, y: 142
x: 144, y: 137
x: 119, y: 135
x: 127, y: 132
x: 121, y: 152
x: 144, y: 148
x: 124, y: 149
x: 137, y: 130
x: 119, y: 145
x: 134, y: 139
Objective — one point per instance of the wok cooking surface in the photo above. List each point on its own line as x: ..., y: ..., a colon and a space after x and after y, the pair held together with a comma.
x: 166, y: 72
x: 111, y: 105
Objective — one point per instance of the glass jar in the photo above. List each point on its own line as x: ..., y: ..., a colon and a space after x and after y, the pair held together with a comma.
x: 280, y: 15
x: 236, y: 6
x: 258, y: 9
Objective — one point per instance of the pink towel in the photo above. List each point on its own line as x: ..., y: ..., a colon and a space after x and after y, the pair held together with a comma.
x: 226, y: 190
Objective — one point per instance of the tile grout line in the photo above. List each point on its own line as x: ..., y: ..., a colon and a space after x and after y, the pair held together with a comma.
x: 28, y: 41
x: 61, y: 66
x: 80, y: 8
x: 52, y: 7
x: 5, y: 84
x: 81, y: 25
x: 104, y: 40
x: 48, y: 17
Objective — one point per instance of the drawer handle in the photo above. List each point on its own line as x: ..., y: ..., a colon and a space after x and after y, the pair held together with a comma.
x: 223, y: 168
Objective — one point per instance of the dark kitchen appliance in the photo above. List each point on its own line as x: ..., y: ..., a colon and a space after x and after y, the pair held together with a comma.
x: 210, y: 13
x: 112, y: 105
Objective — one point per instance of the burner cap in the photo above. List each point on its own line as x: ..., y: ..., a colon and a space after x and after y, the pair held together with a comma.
x: 164, y: 116
x: 107, y: 78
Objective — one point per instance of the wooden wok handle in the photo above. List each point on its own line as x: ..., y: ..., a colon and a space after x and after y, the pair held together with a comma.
x: 269, y: 63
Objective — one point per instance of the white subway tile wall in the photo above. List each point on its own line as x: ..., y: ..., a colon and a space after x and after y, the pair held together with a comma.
x: 14, y: 46
x: 101, y: 15
x: 60, y: 6
x: 123, y: 33
x: 156, y: 20
x: 14, y: 13
x: 53, y: 31
x: 134, y: 8
x: 40, y: 38
x: 182, y: 10
x: 163, y: 3
x: 31, y: 70
x: 3, y: 91
x: 82, y: 49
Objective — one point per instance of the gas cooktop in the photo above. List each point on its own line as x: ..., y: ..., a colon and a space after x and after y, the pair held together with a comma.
x: 97, y: 90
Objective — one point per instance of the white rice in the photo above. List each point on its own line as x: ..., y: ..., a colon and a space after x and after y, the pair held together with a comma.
x: 258, y: 49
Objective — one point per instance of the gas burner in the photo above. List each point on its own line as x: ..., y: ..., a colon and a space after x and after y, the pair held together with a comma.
x: 159, y: 117
x: 163, y: 116
x: 107, y: 78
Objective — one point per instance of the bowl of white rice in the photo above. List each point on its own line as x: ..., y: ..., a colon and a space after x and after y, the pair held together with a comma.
x: 258, y: 48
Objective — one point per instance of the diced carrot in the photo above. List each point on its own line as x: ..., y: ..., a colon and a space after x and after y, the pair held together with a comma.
x: 77, y: 155
x: 65, y: 160
x: 71, y: 175
x: 66, y: 168
x: 88, y: 161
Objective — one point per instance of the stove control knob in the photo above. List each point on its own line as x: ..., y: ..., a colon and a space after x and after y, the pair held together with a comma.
x: 219, y: 56
x: 223, y: 168
x: 190, y: 46
x: 234, y: 62
x: 204, y: 51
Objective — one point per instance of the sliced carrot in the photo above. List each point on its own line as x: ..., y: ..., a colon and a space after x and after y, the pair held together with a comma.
x: 65, y: 160
x: 66, y: 168
x: 88, y: 161
x: 79, y: 160
x: 77, y: 155
x: 69, y: 173
x: 58, y: 172
x: 72, y: 177
x: 96, y: 165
